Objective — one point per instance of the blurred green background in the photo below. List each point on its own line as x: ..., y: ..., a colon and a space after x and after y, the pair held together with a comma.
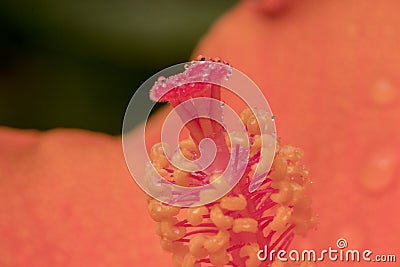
x: 78, y: 63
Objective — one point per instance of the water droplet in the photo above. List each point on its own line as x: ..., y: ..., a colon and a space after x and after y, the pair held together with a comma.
x: 379, y: 170
x: 273, y: 118
x: 161, y: 81
x: 222, y: 104
x: 352, y: 31
x: 186, y: 66
x: 383, y: 93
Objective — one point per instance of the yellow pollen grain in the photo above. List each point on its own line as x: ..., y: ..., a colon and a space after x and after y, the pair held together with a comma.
x: 245, y: 225
x: 159, y: 211
x: 252, y: 126
x: 195, y: 215
x: 170, y: 231
x: 285, y: 192
x: 291, y: 153
x: 281, y: 218
x: 196, y: 247
x: 233, y: 203
x: 157, y: 155
x: 171, y: 246
x: 181, y: 177
x: 188, y: 148
x: 222, y: 221
x: 279, y: 169
x: 250, y: 252
x: 219, y: 258
x: 298, y: 192
x: 190, y: 261
x: 245, y: 115
x: 217, y: 242
x: 178, y: 256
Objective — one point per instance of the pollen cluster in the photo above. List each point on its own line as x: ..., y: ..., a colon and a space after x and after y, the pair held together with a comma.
x: 231, y: 230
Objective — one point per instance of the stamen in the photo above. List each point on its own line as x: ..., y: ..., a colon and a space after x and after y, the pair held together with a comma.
x: 231, y: 230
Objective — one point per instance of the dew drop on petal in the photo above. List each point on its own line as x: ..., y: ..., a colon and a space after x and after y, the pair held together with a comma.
x: 161, y: 81
x: 352, y: 31
x: 379, y: 171
x: 383, y: 93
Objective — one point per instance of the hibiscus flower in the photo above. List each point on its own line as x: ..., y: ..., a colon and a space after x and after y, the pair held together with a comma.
x: 330, y: 72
